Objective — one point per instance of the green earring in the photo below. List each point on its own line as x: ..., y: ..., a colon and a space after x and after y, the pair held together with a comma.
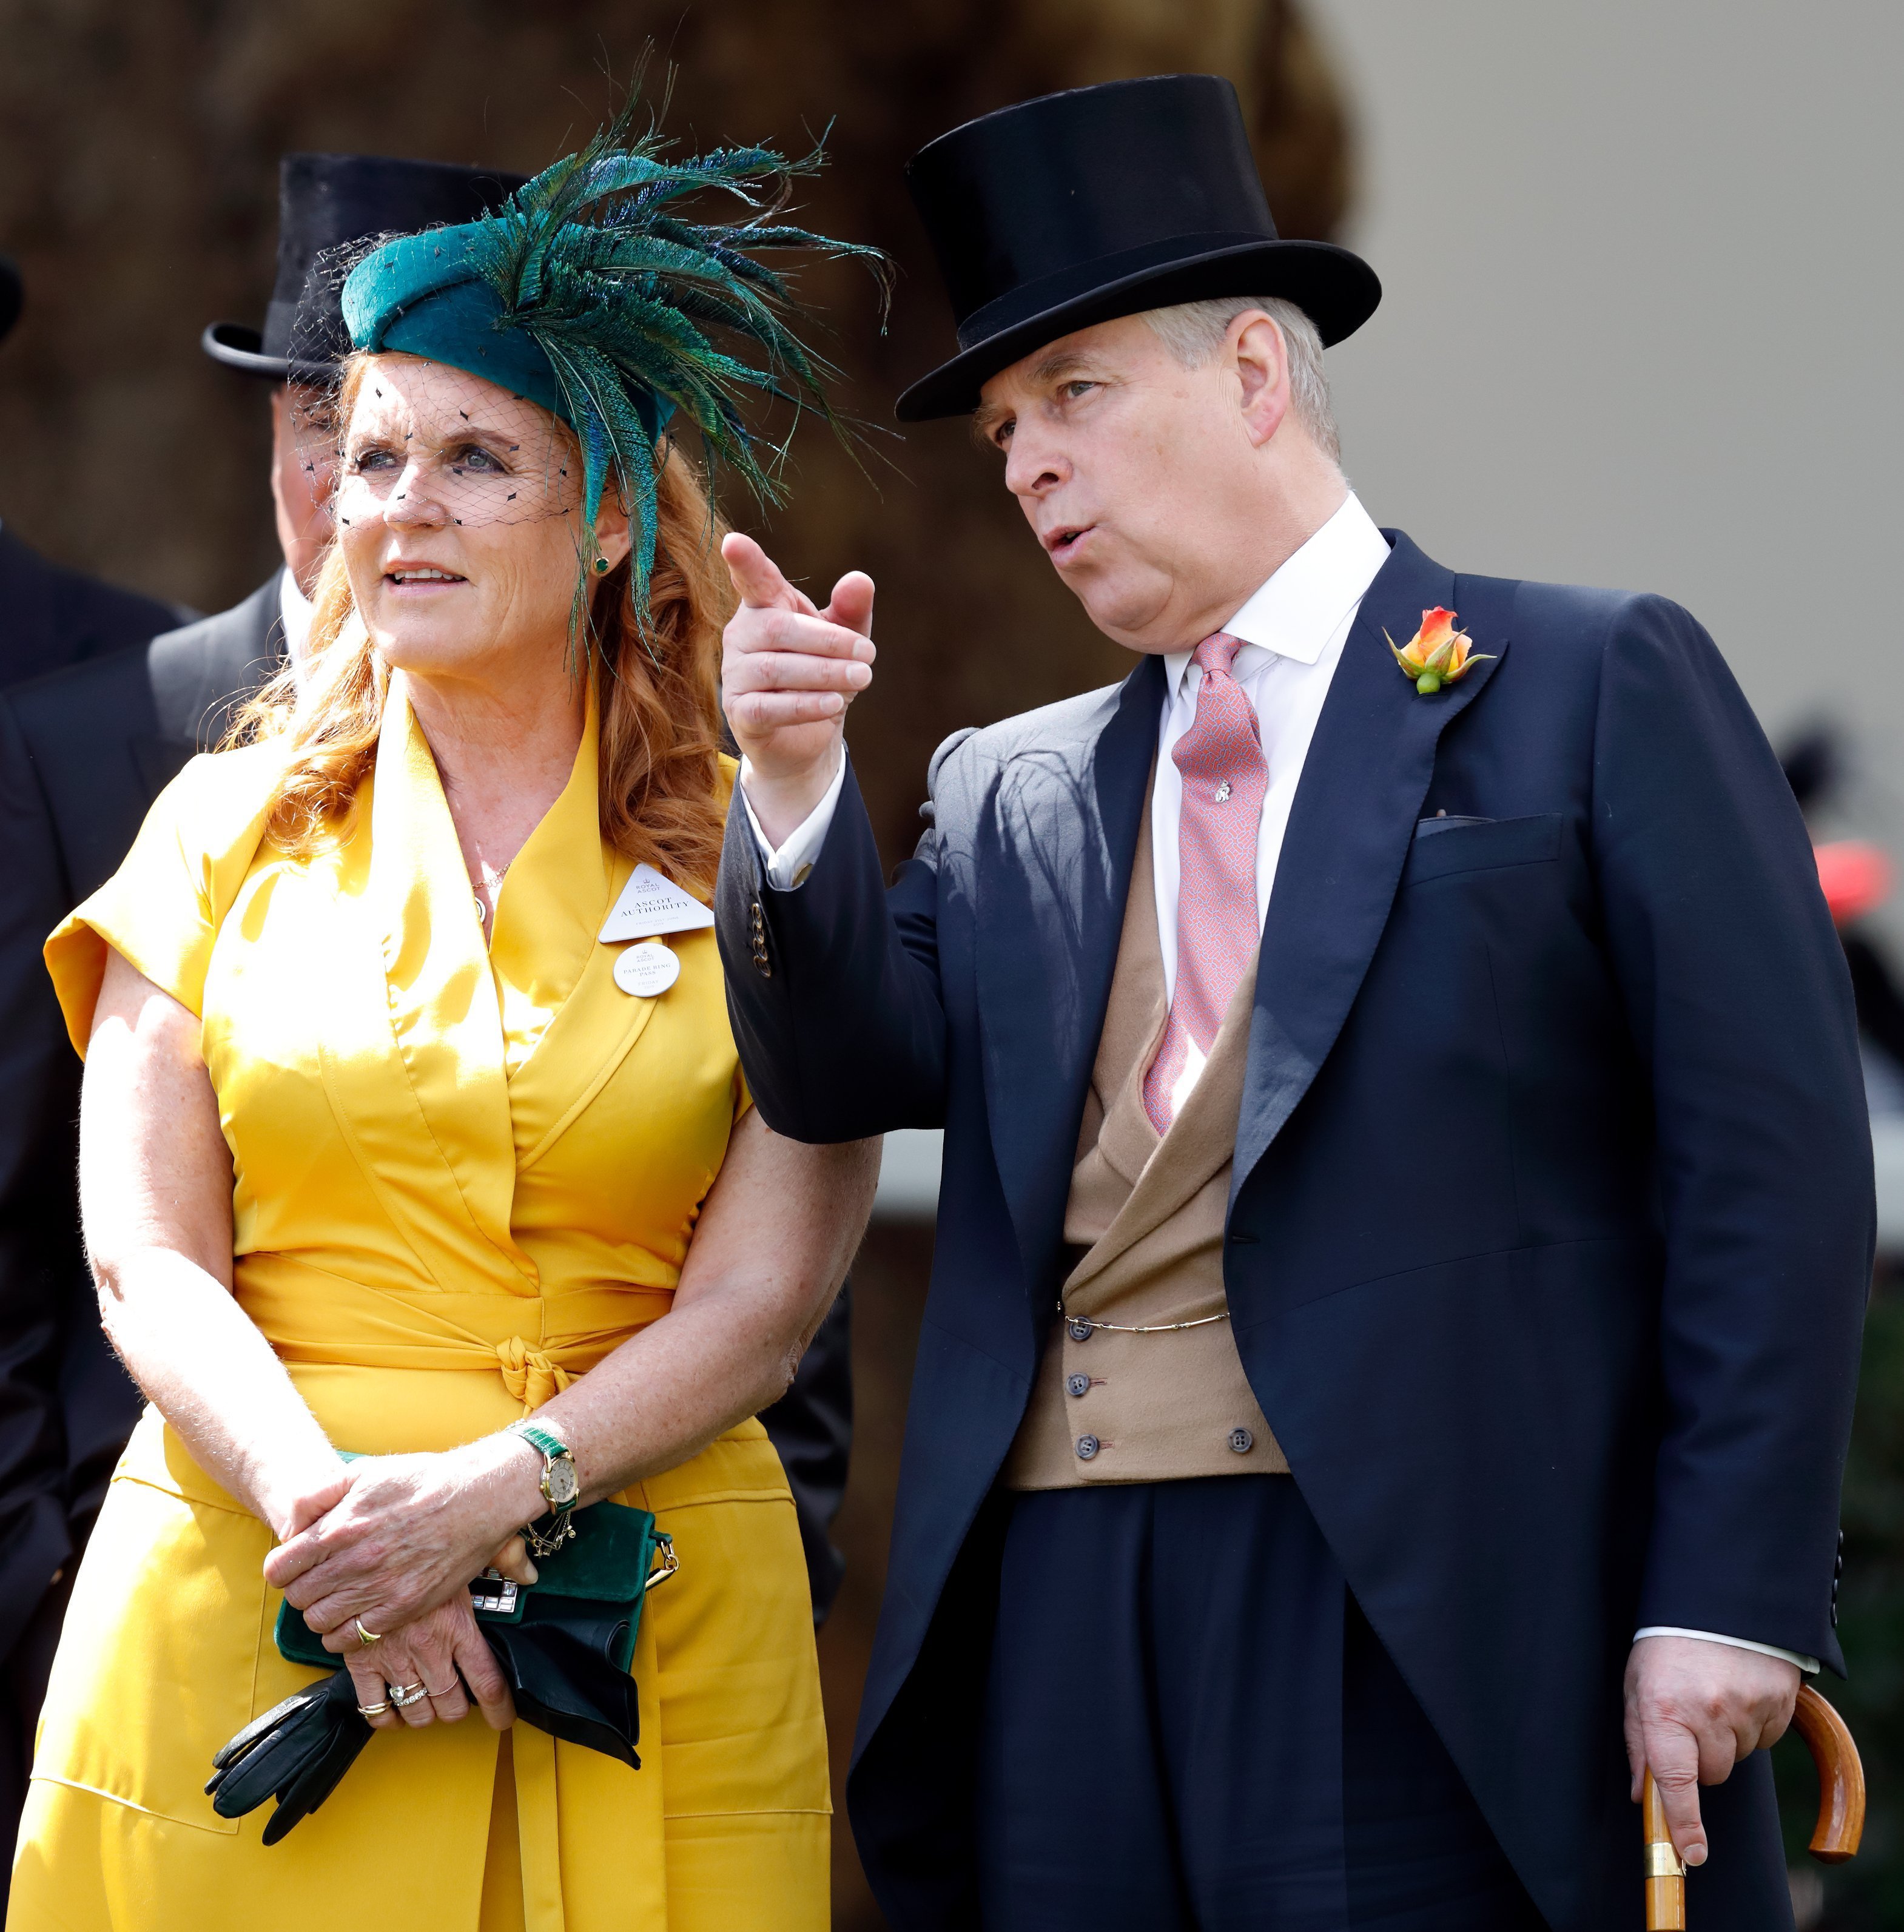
x: 601, y: 566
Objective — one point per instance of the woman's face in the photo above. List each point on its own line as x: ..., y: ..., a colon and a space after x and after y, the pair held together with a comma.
x: 458, y: 516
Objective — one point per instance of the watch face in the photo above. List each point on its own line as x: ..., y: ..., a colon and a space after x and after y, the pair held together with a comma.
x: 559, y: 1481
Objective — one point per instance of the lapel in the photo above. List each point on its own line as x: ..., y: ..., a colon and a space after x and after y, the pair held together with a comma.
x: 566, y: 1026
x: 200, y: 675
x: 1052, y: 860
x: 442, y: 1029
x: 1363, y: 787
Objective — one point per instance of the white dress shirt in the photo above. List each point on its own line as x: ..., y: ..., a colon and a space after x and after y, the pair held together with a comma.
x: 294, y: 613
x: 1293, y: 631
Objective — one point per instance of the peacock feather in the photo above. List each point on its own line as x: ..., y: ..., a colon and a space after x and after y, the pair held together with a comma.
x: 644, y: 312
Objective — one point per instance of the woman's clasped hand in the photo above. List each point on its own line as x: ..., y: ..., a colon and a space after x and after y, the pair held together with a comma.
x: 382, y: 1575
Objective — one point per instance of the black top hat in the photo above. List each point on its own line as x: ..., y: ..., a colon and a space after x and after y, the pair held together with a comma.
x: 1102, y: 202
x: 325, y: 202
x: 12, y: 294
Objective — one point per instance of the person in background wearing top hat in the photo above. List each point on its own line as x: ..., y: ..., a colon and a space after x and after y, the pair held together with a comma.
x: 1407, y: 1203
x: 50, y: 616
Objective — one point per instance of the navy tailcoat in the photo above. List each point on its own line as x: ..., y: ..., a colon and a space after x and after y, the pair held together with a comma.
x: 1551, y: 1221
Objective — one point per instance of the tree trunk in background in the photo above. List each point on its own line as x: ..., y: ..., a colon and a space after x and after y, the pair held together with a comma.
x: 138, y: 169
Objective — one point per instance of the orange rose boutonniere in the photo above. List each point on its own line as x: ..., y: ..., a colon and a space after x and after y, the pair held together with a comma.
x: 1438, y: 653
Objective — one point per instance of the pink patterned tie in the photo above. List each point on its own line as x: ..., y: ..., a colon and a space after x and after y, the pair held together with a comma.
x: 1225, y: 776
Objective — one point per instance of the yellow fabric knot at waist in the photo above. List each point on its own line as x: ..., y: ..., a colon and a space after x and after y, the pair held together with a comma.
x: 529, y: 1375
x: 538, y: 1344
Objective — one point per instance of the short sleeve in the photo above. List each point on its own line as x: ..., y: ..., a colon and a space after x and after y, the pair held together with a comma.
x: 161, y: 910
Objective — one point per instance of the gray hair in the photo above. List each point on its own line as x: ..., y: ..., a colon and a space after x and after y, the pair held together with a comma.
x: 1193, y: 331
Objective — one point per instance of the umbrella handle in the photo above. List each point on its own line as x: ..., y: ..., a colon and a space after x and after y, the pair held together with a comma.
x: 1840, y: 1811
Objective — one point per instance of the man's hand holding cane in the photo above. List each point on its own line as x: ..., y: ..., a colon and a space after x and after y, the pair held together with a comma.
x: 1694, y: 1709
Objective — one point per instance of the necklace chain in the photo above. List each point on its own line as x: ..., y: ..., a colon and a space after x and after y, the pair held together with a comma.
x: 494, y: 882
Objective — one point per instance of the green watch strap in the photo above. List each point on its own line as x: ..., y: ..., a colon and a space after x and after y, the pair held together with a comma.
x: 553, y: 1451
x: 561, y: 1527
x: 546, y: 1440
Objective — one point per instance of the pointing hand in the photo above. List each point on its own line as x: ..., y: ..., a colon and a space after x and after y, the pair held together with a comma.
x: 788, y: 672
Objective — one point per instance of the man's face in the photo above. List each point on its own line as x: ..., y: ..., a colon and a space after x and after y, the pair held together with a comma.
x: 304, y: 460
x: 1129, y: 468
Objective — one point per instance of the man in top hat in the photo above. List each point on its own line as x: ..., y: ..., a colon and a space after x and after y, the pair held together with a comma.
x: 50, y: 616
x: 1407, y: 1204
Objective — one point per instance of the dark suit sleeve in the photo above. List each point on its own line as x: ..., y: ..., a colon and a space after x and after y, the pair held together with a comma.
x: 833, y: 986
x: 1741, y: 1007
x: 41, y: 1258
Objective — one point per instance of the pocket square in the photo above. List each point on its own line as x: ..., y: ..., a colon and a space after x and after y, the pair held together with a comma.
x: 1425, y: 828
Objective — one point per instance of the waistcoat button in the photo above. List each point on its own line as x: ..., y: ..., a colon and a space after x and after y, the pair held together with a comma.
x: 1242, y: 1442
x: 1078, y: 1329
x: 1087, y: 1447
x: 1077, y: 1385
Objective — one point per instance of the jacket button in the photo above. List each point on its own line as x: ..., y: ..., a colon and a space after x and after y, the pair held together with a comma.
x: 1087, y: 1447
x: 1242, y: 1442
x: 1077, y: 1385
x: 1078, y: 1329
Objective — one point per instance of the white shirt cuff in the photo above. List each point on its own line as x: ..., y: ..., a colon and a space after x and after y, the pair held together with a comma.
x: 1809, y: 1665
x: 789, y: 865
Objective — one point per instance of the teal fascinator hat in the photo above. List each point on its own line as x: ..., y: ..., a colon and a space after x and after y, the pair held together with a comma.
x: 591, y: 292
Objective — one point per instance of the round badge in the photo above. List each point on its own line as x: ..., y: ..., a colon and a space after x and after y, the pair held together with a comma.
x: 646, y: 970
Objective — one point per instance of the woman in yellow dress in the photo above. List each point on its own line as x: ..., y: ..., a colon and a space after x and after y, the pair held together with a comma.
x: 386, y: 1145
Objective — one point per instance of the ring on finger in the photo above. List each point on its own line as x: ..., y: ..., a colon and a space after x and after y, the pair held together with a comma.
x: 373, y: 1710
x: 444, y: 1692
x: 404, y: 1695
x: 365, y: 1637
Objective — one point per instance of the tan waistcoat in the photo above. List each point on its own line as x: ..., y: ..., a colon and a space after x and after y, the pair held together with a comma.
x: 1149, y: 1214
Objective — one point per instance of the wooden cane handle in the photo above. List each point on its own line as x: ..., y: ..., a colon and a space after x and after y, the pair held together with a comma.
x: 1840, y: 1811
x: 1840, y: 1778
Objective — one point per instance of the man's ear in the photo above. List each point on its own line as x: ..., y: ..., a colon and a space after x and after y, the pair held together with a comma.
x: 1262, y: 366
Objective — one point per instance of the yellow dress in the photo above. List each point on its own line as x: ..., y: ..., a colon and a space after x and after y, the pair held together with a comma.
x: 462, y: 1178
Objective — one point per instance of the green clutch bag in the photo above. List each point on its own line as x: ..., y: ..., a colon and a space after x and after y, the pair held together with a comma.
x: 598, y: 1580
x: 564, y: 1645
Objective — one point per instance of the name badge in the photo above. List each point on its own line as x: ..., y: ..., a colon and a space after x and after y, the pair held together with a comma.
x: 651, y: 903
x: 647, y: 970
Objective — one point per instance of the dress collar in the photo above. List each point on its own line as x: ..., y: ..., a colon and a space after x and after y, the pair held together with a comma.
x: 1298, y: 610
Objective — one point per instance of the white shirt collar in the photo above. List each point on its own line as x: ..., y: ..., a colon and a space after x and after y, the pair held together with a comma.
x: 294, y: 611
x: 1298, y: 610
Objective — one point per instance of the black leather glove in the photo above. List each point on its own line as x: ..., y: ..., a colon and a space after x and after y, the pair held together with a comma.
x: 297, y: 1752
x: 555, y: 1661
x: 560, y: 1676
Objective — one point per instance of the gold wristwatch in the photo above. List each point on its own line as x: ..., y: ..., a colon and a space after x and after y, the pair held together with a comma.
x: 560, y: 1486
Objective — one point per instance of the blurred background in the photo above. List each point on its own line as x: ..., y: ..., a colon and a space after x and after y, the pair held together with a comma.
x: 1643, y: 276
